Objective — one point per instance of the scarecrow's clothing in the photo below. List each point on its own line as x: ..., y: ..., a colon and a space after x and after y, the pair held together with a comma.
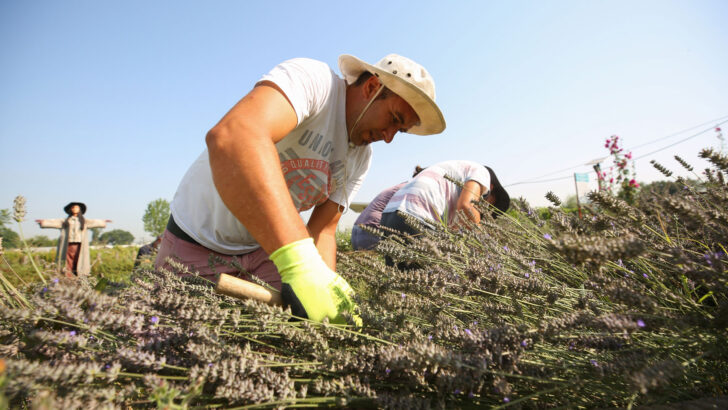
x: 74, y: 230
x: 83, y: 260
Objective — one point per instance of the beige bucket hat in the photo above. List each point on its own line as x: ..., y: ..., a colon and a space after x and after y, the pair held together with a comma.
x: 405, y: 78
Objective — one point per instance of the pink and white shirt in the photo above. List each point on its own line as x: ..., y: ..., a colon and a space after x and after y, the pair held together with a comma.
x: 430, y: 196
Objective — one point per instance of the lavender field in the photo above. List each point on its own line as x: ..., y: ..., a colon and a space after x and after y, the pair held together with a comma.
x: 623, y: 307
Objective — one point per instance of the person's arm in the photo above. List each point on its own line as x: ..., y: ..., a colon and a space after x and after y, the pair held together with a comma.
x: 50, y: 223
x: 322, y: 226
x: 96, y: 223
x: 471, y: 192
x: 247, y: 175
x: 246, y: 168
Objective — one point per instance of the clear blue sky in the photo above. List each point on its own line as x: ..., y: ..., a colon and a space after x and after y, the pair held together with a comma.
x: 117, y: 96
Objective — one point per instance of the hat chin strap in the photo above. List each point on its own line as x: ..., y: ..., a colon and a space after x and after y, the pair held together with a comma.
x: 363, y: 111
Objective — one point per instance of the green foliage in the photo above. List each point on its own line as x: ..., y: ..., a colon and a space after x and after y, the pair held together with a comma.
x: 4, y: 217
x: 156, y: 216
x: 39, y: 241
x: 343, y: 241
x: 112, y: 263
x: 95, y: 235
x: 11, y: 239
x: 116, y: 237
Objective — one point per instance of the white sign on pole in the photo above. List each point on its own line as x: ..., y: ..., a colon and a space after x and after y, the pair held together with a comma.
x: 582, y: 185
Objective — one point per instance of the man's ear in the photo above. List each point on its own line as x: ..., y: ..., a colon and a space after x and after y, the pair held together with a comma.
x: 370, y: 86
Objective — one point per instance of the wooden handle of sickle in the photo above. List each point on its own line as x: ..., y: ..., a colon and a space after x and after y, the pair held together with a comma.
x: 242, y: 289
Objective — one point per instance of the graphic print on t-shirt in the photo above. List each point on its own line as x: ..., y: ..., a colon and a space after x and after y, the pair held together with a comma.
x: 308, y: 179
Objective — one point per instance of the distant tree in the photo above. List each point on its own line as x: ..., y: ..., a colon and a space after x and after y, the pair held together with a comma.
x: 4, y: 217
x: 42, y: 241
x: 156, y: 216
x: 11, y: 239
x: 570, y: 202
x: 117, y: 237
x: 95, y: 234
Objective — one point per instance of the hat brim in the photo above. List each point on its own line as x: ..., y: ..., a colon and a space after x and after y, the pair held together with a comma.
x: 431, y: 119
x: 81, y: 205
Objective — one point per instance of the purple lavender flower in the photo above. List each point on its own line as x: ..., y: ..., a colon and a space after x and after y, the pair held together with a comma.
x: 506, y: 400
x: 645, y: 275
x: 387, y: 370
x: 619, y: 262
x: 468, y: 331
x: 471, y: 395
x: 72, y: 333
x: 640, y: 323
x: 154, y: 319
x: 404, y: 296
x: 593, y: 362
x: 429, y: 337
x: 44, y: 290
x: 55, y: 280
x: 505, y: 248
x: 524, y: 343
x: 527, y: 275
x: 457, y: 391
x: 546, y: 236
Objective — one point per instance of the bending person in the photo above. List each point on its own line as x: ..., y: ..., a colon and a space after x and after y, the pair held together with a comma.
x: 299, y: 140
x: 432, y: 197
x: 371, y: 216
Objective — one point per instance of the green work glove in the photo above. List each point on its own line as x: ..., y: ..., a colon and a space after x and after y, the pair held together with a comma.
x: 310, y: 287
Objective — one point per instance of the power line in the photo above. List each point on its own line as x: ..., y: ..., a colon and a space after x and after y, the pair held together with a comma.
x: 680, y: 132
x: 682, y: 140
x: 537, y: 180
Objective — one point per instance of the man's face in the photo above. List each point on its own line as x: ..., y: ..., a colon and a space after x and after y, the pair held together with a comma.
x: 384, y: 118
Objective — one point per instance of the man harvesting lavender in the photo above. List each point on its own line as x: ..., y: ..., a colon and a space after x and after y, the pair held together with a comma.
x: 299, y: 140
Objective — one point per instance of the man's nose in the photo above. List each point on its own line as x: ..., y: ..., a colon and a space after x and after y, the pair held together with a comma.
x: 389, y: 134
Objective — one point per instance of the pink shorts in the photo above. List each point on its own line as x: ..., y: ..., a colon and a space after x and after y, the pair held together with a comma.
x: 197, y: 258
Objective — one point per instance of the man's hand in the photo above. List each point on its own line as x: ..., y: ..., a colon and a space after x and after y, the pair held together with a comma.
x: 310, y: 287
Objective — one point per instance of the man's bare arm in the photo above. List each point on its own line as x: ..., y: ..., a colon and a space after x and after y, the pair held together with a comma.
x: 322, y: 226
x: 471, y: 192
x: 246, y: 168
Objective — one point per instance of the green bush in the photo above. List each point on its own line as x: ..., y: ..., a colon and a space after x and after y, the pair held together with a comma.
x: 112, y: 263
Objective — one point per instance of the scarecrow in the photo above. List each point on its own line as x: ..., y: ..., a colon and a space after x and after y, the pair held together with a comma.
x: 73, y: 243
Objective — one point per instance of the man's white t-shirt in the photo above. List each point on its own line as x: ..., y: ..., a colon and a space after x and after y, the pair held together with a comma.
x: 315, y: 158
x: 430, y: 196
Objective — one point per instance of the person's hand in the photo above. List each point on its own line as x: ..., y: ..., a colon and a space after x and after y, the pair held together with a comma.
x: 39, y: 221
x: 109, y: 220
x: 310, y: 287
